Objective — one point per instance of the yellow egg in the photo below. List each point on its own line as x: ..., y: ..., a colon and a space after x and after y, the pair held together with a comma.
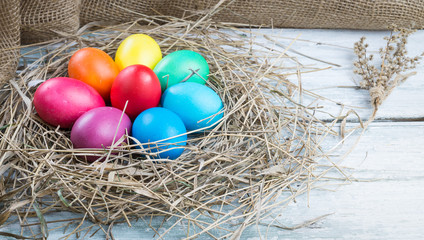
x: 138, y: 49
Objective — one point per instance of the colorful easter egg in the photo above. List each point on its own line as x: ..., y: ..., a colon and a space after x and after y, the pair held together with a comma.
x: 161, y: 131
x: 100, y: 128
x: 94, y: 67
x: 138, y: 85
x: 61, y: 101
x: 179, y: 66
x: 196, y: 104
x: 138, y: 49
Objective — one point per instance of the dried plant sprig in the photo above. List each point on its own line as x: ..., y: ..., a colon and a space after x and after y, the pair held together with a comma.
x: 381, y: 78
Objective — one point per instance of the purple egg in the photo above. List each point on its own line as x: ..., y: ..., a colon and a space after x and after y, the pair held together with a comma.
x: 97, y: 128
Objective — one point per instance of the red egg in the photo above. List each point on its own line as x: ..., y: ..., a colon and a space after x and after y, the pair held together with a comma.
x: 138, y: 85
x: 61, y: 101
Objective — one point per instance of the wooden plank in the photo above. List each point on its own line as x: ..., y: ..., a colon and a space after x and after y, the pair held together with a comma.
x: 405, y: 103
x: 338, y: 83
x: 335, y: 46
x: 386, y: 201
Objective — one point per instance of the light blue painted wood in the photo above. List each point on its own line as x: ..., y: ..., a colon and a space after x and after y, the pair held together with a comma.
x: 336, y: 46
x: 386, y: 200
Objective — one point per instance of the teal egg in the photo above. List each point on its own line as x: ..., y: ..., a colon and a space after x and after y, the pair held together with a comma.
x: 183, y: 65
x: 197, y: 105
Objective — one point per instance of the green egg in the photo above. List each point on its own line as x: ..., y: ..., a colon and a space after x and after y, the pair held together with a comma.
x: 182, y: 66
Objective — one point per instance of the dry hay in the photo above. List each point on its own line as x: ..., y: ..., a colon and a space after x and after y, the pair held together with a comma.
x: 263, y: 154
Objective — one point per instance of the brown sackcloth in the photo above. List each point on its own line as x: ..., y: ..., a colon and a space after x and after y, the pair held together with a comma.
x: 348, y: 14
x: 43, y: 19
x: 119, y: 10
x: 9, y: 38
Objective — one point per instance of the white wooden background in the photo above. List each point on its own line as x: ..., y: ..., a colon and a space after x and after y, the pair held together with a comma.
x: 386, y: 200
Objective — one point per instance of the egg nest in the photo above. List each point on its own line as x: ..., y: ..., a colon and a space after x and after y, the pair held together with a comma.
x: 259, y: 157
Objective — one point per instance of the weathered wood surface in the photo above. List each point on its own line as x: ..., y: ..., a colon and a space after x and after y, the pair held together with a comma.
x: 338, y: 83
x: 385, y: 199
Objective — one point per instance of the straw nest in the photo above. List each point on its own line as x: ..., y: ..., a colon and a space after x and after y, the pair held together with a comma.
x: 262, y: 154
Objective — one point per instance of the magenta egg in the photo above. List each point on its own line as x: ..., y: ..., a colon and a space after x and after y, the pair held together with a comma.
x: 99, y: 127
x: 61, y: 101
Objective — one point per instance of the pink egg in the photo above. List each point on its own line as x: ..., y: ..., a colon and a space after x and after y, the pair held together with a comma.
x: 61, y: 101
x: 97, y: 128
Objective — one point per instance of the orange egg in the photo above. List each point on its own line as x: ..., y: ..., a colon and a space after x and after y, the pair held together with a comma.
x: 94, y: 67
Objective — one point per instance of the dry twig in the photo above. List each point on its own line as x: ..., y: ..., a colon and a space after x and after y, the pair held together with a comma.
x: 381, y: 78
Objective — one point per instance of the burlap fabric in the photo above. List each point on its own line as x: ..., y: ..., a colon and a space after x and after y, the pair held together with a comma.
x: 9, y: 38
x: 119, y: 10
x: 43, y: 19
x: 349, y: 14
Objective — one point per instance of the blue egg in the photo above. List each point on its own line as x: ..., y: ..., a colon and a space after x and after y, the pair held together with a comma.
x: 196, y: 104
x: 156, y: 124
